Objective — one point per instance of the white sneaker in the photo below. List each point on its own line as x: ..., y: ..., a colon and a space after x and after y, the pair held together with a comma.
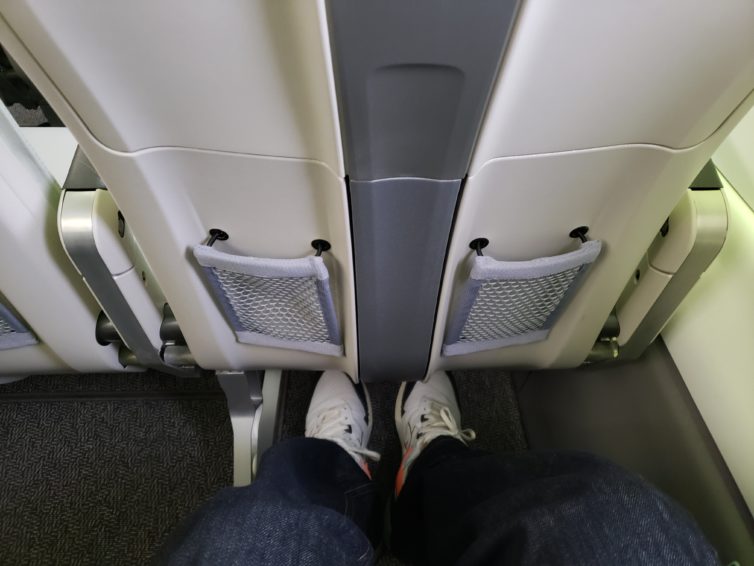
x: 425, y: 411
x: 340, y: 411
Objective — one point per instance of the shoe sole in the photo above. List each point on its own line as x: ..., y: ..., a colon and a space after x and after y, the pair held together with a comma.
x: 370, y: 416
x: 388, y: 513
x: 398, y: 405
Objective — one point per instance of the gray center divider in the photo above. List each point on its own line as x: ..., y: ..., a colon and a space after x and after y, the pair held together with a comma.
x: 400, y: 232
x: 413, y: 79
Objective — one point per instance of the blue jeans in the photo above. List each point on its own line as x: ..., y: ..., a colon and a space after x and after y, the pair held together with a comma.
x: 312, y: 505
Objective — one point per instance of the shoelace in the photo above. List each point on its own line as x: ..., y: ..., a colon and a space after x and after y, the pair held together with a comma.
x: 436, y: 421
x: 333, y: 424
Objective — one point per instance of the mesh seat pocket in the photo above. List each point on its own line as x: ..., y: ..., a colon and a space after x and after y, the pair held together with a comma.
x: 283, y: 303
x: 504, y: 303
x: 13, y: 333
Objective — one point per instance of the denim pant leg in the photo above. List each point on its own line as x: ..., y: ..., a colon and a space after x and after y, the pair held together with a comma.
x: 310, y: 505
x: 462, y: 506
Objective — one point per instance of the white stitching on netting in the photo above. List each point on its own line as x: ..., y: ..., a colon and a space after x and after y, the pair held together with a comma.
x: 5, y: 327
x: 507, y: 307
x: 287, y: 308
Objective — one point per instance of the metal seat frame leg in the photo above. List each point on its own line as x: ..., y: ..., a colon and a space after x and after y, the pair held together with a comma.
x: 254, y: 404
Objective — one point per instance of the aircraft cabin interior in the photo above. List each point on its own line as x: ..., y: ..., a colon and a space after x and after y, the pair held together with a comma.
x: 205, y: 205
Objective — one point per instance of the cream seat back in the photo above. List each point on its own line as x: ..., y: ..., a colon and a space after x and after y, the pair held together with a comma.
x: 601, y: 116
x: 222, y: 116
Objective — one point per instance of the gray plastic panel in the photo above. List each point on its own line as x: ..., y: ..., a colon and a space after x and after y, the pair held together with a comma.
x: 640, y: 415
x: 82, y: 175
x: 413, y: 81
x: 707, y: 178
x: 400, y: 229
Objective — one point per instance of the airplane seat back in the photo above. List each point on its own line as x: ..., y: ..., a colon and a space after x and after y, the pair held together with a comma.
x: 223, y: 119
x: 549, y: 140
x: 611, y: 143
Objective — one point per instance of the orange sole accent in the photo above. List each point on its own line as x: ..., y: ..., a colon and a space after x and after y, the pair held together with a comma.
x: 400, y: 478
x: 365, y: 467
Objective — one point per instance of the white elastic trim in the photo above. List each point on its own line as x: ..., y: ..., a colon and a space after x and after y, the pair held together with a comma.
x: 313, y: 347
x: 309, y: 266
x: 461, y: 348
x: 486, y: 267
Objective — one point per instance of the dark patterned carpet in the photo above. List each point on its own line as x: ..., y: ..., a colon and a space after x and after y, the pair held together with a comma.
x: 98, y: 469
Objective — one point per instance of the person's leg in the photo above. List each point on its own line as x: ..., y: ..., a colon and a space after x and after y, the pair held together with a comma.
x: 312, y: 503
x: 463, y: 506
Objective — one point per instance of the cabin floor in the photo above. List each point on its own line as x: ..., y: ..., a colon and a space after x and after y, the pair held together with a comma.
x: 98, y: 469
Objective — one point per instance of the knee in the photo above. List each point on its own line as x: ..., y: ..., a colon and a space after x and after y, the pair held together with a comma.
x: 600, y: 481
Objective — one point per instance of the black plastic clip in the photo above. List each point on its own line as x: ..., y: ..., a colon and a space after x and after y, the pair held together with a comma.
x: 321, y: 246
x: 478, y: 245
x: 216, y: 234
x: 580, y: 233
